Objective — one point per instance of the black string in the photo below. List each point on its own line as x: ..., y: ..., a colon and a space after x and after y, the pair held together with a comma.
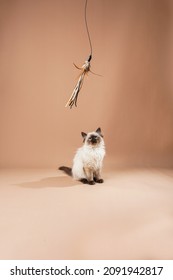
x: 87, y: 29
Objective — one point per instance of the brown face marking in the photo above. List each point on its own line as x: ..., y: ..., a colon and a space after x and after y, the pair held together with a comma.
x: 93, y: 139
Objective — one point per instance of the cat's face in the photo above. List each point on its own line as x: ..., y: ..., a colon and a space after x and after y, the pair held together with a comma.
x: 93, y: 138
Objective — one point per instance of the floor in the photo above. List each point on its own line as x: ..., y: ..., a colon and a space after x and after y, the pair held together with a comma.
x: 44, y: 214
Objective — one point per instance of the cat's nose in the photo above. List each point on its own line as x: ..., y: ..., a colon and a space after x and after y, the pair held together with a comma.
x: 94, y: 138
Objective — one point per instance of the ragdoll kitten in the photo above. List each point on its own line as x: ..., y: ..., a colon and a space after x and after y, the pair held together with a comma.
x: 87, y: 162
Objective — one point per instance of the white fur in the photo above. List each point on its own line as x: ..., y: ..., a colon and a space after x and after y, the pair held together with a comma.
x: 88, y: 156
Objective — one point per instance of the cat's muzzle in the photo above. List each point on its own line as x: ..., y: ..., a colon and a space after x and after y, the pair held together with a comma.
x: 94, y: 139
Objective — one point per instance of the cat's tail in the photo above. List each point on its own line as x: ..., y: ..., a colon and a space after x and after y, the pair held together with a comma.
x: 67, y: 170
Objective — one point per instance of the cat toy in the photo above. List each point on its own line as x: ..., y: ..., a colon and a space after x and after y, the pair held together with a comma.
x: 85, y: 69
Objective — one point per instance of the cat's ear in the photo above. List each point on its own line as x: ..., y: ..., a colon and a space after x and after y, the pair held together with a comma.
x: 98, y: 130
x: 83, y: 135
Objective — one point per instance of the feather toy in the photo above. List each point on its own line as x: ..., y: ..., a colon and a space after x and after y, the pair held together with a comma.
x: 84, y: 70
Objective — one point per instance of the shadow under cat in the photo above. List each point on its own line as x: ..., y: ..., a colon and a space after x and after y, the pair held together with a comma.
x: 49, y: 182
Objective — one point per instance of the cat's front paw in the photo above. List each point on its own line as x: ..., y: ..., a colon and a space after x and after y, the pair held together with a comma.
x: 100, y: 181
x: 91, y: 183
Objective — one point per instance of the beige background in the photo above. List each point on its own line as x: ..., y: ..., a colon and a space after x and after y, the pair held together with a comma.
x: 132, y: 102
x: 44, y: 214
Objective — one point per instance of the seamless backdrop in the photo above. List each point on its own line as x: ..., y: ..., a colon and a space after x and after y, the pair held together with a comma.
x: 132, y: 101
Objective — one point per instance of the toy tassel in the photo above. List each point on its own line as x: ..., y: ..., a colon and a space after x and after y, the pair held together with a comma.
x: 84, y: 70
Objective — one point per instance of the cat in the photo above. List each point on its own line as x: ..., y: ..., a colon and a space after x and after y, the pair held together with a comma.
x: 87, y: 162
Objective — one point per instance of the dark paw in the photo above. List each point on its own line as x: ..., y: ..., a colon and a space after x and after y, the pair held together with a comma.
x: 84, y: 181
x: 91, y: 182
x: 100, y: 181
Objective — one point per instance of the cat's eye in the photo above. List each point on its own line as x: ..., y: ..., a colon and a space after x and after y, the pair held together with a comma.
x: 93, y: 137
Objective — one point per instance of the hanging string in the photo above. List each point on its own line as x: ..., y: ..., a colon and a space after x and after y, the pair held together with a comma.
x: 85, y: 68
x: 87, y: 29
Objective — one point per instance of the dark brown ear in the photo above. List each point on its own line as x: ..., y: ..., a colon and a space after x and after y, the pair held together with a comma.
x: 83, y: 135
x: 99, y: 131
